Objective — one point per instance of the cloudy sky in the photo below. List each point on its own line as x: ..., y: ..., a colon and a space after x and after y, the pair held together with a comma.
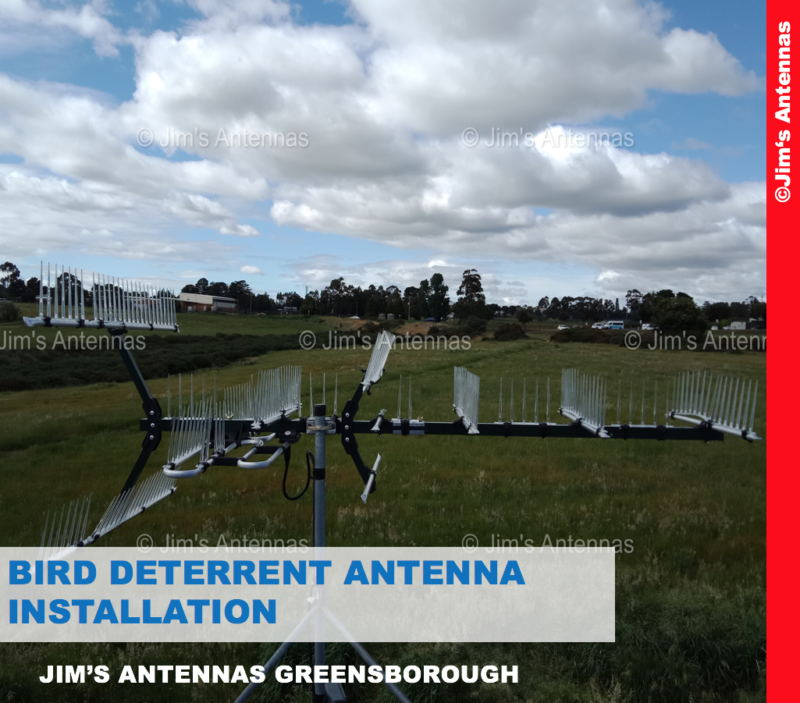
x: 290, y: 143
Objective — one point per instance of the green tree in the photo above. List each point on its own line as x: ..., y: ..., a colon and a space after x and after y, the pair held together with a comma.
x: 438, y: 301
x: 471, y: 299
x: 633, y: 300
x: 240, y: 290
x: 218, y: 289
x: 11, y: 284
x: 677, y: 314
x: 524, y: 316
x: 758, y: 309
x: 424, y: 298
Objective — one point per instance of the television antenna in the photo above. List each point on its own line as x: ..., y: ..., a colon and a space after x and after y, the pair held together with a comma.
x: 252, y: 415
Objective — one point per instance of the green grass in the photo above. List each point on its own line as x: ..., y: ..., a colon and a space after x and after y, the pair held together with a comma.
x: 690, y: 597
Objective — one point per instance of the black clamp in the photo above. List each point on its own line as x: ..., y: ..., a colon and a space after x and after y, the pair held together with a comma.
x: 506, y: 429
x: 661, y: 433
x: 626, y: 431
x: 290, y: 437
x: 47, y: 322
x: 405, y: 426
x: 543, y: 428
x: 81, y: 323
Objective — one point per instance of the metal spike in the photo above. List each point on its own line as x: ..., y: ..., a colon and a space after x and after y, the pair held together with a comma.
x: 41, y: 288
x: 655, y: 401
x: 336, y: 395
x: 399, y: 396
x: 630, y: 407
x: 548, y: 400
x: 500, y: 402
x: 49, y: 291
x: 753, y: 411
x: 643, y: 385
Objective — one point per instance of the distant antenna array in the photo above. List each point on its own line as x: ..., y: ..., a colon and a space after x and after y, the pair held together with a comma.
x: 250, y: 415
x: 116, y: 303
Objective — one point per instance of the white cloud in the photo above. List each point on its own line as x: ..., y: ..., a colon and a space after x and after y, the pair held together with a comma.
x: 383, y: 104
x: 87, y: 22
x: 251, y: 270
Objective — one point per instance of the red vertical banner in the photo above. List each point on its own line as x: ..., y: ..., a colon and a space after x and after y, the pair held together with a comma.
x: 782, y: 188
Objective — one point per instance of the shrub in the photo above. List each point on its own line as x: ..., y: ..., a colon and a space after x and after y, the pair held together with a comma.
x: 474, y: 325
x: 509, y: 332
x: 8, y: 312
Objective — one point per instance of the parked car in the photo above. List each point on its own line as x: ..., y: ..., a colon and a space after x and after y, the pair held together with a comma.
x: 563, y: 327
x: 598, y: 325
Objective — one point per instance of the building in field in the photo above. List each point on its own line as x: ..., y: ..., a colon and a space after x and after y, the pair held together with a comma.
x: 193, y: 302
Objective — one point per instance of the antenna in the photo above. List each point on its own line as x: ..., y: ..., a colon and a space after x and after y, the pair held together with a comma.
x: 719, y: 403
x: 383, y: 345
x: 371, y: 480
x: 583, y: 400
x: 122, y: 305
x: 466, y: 396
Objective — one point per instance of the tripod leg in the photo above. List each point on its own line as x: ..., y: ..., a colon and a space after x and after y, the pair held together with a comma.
x: 275, y: 658
x: 364, y: 654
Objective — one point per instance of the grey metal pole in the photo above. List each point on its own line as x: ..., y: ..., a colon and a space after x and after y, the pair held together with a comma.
x: 319, y: 538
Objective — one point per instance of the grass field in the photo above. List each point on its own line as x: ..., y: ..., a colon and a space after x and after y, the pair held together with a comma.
x: 690, y: 597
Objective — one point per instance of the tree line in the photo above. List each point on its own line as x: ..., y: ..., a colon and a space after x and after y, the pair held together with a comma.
x: 431, y: 299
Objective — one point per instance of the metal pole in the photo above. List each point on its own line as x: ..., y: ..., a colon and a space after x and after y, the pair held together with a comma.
x: 320, y: 424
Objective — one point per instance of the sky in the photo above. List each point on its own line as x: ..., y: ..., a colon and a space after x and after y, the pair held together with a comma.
x: 583, y: 147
